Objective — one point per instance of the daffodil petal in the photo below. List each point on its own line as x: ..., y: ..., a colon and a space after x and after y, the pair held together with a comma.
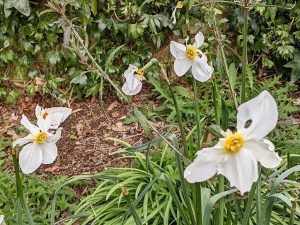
x: 132, y: 86
x: 174, y: 16
x: 1, y: 219
x: 200, y: 69
x: 38, y: 111
x: 264, y: 152
x: 29, y: 126
x: 261, y: 112
x: 49, y: 151
x: 56, y: 115
x: 24, y: 140
x: 181, y: 66
x: 204, y: 166
x: 30, y: 158
x: 199, y: 40
x: 130, y: 71
x: 54, y: 138
x: 240, y: 169
x: 44, y: 124
x: 177, y: 50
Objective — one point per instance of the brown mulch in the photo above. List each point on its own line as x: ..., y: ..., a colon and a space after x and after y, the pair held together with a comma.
x: 84, y: 146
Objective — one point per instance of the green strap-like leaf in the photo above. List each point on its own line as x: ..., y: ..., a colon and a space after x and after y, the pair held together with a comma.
x: 213, y: 200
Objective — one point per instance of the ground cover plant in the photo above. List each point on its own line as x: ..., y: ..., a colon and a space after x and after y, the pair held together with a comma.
x: 228, y: 152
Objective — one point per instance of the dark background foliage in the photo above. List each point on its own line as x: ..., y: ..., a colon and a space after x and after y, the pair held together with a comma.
x: 32, y: 50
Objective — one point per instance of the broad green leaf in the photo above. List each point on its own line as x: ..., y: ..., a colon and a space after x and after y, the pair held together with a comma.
x: 184, y: 92
x: 21, y: 5
x: 136, y: 30
x: 53, y: 57
x: 79, y: 80
x: 12, y: 97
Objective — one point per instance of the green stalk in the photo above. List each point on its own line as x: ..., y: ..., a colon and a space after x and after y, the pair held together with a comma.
x: 220, y: 212
x: 149, y: 64
x: 258, y: 196
x: 179, y: 119
x: 20, y: 193
x: 187, y: 18
x: 248, y: 210
x: 245, y: 59
x: 131, y: 206
x: 220, y: 188
x: 20, y: 222
x: 185, y: 147
x: 105, y: 75
x: 292, y: 216
x: 217, y: 102
x: 198, y: 123
x: 185, y: 190
x: 232, y: 91
x: 225, y: 64
x: 176, y: 199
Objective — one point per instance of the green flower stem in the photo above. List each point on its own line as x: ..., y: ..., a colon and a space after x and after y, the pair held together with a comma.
x: 149, y: 64
x: 20, y: 221
x: 198, y: 123
x: 101, y: 72
x: 20, y: 194
x: 220, y: 212
x: 187, y: 18
x: 221, y: 47
x: 185, y: 190
x: 249, y: 204
x: 293, y: 212
x: 179, y: 119
x: 258, y: 196
x: 245, y: 58
x: 131, y: 206
x: 185, y: 147
x: 220, y: 188
x: 217, y: 101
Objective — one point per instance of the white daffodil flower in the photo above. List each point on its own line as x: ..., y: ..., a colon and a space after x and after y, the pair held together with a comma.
x: 40, y: 145
x: 134, y: 77
x: 55, y: 116
x: 236, y: 155
x: 179, y: 5
x: 190, y: 56
x: 1, y: 219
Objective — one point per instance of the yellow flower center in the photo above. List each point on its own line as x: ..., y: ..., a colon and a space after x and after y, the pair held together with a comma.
x: 234, y: 142
x: 44, y: 115
x: 191, y: 52
x: 179, y: 5
x: 40, y: 137
x: 140, y: 74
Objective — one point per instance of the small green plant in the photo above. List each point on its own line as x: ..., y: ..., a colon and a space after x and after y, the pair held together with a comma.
x: 39, y: 193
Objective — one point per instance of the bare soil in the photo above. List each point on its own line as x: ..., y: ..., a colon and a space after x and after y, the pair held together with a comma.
x: 84, y: 147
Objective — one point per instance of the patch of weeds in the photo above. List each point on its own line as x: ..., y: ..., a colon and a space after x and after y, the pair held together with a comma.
x: 39, y: 194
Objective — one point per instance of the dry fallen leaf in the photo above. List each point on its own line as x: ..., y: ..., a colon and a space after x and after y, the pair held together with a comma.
x: 118, y: 127
x: 112, y: 106
x: 52, y: 169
